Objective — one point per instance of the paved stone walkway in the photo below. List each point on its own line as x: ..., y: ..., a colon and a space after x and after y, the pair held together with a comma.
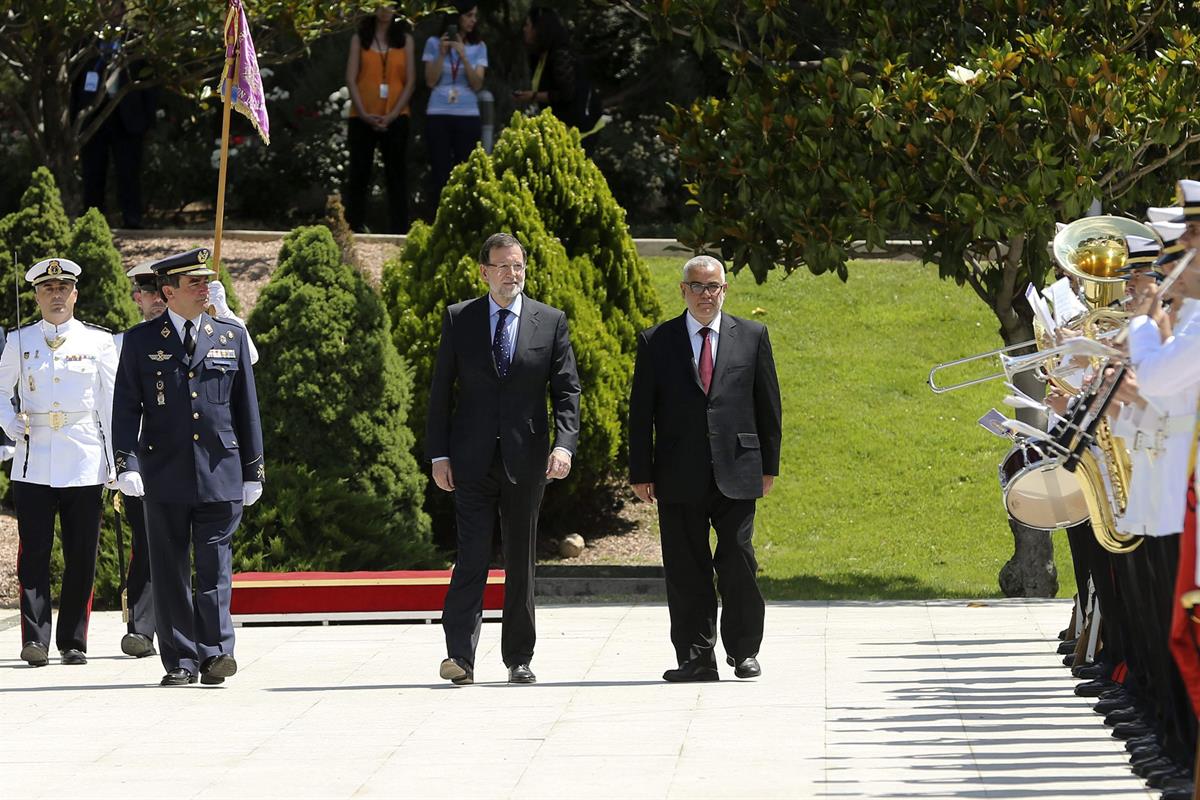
x: 875, y: 700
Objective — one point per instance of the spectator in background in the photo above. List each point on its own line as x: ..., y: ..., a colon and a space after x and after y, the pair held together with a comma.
x: 123, y: 131
x: 380, y: 77
x: 454, y: 67
x: 551, y: 63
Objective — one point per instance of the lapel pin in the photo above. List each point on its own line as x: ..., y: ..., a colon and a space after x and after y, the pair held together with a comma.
x: 165, y: 332
x: 208, y: 329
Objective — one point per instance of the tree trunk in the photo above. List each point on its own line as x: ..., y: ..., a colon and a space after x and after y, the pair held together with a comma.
x: 1030, y: 572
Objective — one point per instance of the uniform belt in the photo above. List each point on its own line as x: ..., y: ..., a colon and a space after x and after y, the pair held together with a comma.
x: 59, y: 419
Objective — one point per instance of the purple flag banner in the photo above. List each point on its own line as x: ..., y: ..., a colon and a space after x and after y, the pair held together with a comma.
x: 241, y: 66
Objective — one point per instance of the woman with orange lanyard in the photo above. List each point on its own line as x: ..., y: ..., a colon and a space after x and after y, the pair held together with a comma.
x: 454, y: 67
x: 380, y: 77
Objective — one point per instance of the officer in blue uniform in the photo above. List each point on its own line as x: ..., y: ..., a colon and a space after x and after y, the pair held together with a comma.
x: 187, y: 439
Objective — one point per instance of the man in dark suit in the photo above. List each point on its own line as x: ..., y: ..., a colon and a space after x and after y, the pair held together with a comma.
x: 187, y: 436
x: 123, y: 131
x: 705, y: 424
x: 488, y: 439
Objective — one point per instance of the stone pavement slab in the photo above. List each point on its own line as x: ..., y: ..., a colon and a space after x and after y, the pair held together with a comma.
x: 857, y: 700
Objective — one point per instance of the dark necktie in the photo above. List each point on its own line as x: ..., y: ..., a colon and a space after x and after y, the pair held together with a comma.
x: 189, y: 341
x: 501, y: 351
x: 706, y: 362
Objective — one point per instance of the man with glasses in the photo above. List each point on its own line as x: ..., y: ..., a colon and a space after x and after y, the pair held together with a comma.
x: 488, y: 439
x: 705, y: 425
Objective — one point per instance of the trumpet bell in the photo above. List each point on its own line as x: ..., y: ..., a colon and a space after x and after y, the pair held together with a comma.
x: 1092, y: 250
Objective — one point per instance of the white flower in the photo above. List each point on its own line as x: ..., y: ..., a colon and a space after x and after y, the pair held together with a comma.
x: 962, y: 75
x: 266, y: 72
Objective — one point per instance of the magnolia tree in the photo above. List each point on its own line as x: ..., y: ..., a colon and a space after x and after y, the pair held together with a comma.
x: 46, y: 48
x: 971, y: 132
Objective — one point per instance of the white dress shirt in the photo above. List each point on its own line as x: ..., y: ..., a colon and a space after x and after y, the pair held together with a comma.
x: 693, y: 329
x: 178, y: 321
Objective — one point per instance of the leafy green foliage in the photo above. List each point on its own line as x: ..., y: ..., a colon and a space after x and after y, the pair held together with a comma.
x: 334, y: 397
x: 974, y: 134
x: 439, y: 266
x: 104, y: 289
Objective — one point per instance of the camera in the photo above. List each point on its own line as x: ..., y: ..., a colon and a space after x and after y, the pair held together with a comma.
x: 452, y: 31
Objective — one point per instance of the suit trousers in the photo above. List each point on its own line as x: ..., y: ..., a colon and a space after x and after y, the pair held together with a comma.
x: 127, y: 150
x: 78, y: 509
x: 450, y: 140
x: 476, y: 504
x: 689, y: 563
x: 137, y: 582
x: 362, y: 141
x: 190, y: 631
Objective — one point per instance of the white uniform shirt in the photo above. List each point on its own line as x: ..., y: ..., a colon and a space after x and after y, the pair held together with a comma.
x: 75, y: 381
x: 1168, y: 375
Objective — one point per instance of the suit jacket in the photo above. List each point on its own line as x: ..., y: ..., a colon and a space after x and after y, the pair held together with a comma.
x: 682, y: 440
x: 472, y: 410
x: 189, y: 426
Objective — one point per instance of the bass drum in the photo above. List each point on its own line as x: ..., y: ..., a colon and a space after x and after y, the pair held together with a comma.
x: 1038, y: 492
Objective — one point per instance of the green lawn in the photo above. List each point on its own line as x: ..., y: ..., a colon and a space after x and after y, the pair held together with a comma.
x: 887, y: 490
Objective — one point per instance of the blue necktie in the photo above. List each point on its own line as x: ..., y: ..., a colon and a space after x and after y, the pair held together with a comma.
x: 501, y: 351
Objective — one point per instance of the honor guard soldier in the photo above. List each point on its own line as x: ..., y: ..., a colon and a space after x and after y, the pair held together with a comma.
x: 187, y: 436
x: 61, y: 372
x: 138, y: 640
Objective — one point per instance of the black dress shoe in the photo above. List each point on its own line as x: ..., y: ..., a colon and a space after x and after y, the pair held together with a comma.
x: 457, y: 671
x: 1128, y: 730
x: 177, y: 677
x: 1091, y: 671
x: 138, y: 645
x: 72, y: 657
x: 1156, y: 780
x: 1069, y: 660
x: 521, y: 673
x: 1117, y: 691
x: 1158, y: 764
x: 35, y: 654
x: 1128, y: 714
x: 1183, y: 791
x: 1142, y: 741
x: 222, y: 666
x: 1112, y: 704
x: 211, y: 680
x: 1067, y: 647
x: 692, y: 671
x: 744, y: 667
x: 1141, y: 755
x: 1093, y: 688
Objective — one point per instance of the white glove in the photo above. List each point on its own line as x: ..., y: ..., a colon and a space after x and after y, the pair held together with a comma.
x: 251, y: 491
x: 216, y: 298
x: 7, y: 451
x: 130, y: 484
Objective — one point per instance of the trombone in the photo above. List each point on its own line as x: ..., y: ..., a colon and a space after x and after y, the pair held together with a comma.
x: 1011, y: 365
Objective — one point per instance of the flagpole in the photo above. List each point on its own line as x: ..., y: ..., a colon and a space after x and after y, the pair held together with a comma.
x: 221, y: 175
x: 228, y: 87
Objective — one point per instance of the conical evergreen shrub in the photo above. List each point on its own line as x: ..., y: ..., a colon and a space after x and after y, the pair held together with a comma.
x: 39, y: 229
x: 343, y: 490
x: 576, y: 205
x: 439, y: 266
x: 104, y: 297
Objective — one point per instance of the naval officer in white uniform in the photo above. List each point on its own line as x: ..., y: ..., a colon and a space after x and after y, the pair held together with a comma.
x: 61, y: 372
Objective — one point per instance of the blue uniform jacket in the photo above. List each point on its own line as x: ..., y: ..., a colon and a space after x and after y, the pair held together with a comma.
x: 191, y: 428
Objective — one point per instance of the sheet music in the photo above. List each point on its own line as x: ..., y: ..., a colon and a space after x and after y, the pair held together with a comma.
x: 1063, y: 300
x: 1041, y: 311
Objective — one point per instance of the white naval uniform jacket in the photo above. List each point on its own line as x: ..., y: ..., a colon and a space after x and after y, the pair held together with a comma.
x: 1168, y: 375
x: 71, y: 387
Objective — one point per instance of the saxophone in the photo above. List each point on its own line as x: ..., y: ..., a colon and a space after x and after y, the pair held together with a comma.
x: 1105, y: 506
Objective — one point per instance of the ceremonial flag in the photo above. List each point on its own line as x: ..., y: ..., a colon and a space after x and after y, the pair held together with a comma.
x: 241, y: 66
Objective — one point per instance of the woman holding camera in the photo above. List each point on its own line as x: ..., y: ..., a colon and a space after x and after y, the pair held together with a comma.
x: 454, y: 67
